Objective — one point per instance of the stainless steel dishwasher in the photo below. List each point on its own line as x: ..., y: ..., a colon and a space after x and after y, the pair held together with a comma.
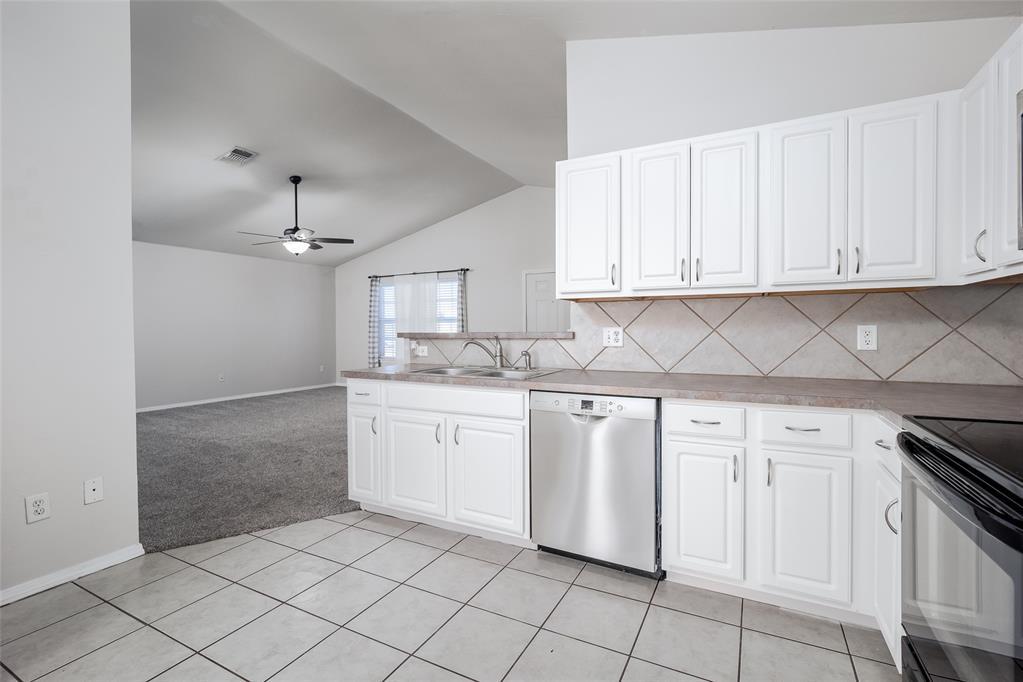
x: 594, y: 467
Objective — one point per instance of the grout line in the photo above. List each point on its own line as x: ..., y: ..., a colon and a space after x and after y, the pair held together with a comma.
x: 855, y: 357
x: 852, y: 664
x: 11, y: 672
x: 917, y: 356
x: 985, y: 352
x: 986, y: 306
x: 742, y: 609
x: 695, y: 346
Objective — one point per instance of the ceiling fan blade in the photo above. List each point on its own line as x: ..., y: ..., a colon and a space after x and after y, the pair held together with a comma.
x: 276, y: 241
x: 260, y: 234
x: 332, y: 240
x: 314, y: 246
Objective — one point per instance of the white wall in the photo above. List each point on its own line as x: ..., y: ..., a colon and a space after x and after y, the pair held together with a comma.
x: 497, y: 240
x: 634, y: 91
x: 68, y: 361
x: 263, y: 324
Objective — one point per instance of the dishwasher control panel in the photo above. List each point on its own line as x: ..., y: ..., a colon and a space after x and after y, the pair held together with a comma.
x: 602, y: 405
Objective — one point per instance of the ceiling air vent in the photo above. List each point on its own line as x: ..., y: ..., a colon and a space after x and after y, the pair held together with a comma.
x: 239, y: 156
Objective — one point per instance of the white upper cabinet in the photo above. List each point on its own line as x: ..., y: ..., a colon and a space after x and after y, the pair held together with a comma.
x: 806, y: 196
x: 892, y: 181
x: 977, y: 146
x: 1009, y: 66
x: 724, y: 211
x: 589, y: 224
x: 655, y: 210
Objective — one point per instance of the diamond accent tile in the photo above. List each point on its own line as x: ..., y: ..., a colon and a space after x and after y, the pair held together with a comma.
x: 905, y: 329
x: 714, y: 311
x: 956, y: 361
x: 955, y: 305
x: 629, y: 358
x: 824, y: 358
x: 766, y: 330
x: 587, y: 319
x: 824, y: 308
x: 667, y: 330
x: 624, y: 312
x: 997, y: 329
x: 548, y: 353
x: 715, y: 356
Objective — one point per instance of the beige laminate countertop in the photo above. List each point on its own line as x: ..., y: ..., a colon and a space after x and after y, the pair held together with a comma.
x: 894, y: 399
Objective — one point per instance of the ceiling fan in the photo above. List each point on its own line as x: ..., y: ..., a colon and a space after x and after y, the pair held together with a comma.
x: 298, y: 239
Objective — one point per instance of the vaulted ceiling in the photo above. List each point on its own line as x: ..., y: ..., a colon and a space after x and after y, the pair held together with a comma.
x: 397, y: 114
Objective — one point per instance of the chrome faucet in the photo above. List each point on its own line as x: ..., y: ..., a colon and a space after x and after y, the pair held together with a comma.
x: 497, y: 358
x: 528, y: 358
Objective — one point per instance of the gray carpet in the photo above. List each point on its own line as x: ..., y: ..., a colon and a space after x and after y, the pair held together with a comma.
x: 216, y: 470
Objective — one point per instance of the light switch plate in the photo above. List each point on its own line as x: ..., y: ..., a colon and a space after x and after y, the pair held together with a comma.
x: 93, y: 490
x: 614, y: 337
x: 866, y: 337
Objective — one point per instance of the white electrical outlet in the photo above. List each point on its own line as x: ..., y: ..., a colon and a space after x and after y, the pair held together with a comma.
x: 866, y: 337
x: 37, y: 507
x: 220, y: 377
x: 614, y: 337
x: 93, y: 490
x: 422, y: 351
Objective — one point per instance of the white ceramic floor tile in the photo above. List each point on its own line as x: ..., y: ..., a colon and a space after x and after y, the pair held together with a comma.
x: 39, y: 610
x: 641, y: 671
x: 478, y: 644
x: 388, y: 525
x: 867, y: 643
x: 548, y: 565
x: 195, y: 554
x: 350, y: 518
x: 616, y: 582
x: 551, y: 656
x: 197, y: 669
x: 600, y: 618
x: 301, y: 535
x: 405, y: 618
x: 343, y: 595
x: 291, y: 575
x: 246, y: 559
x: 135, y: 658
x: 398, y: 560
x: 432, y: 536
x: 166, y: 595
x: 872, y: 671
x: 455, y: 576
x: 269, y: 643
x: 706, y: 603
x: 348, y: 546
x: 766, y: 658
x: 522, y: 596
x: 487, y: 550
x: 216, y: 616
x: 774, y: 620
x: 417, y: 670
x: 125, y: 577
x: 359, y: 657
x: 694, y: 645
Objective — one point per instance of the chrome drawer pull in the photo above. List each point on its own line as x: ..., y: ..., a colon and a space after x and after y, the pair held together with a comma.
x: 373, y: 425
x: 976, y: 246
x: 881, y: 444
x: 802, y: 430
x: 457, y: 426
x: 436, y: 432
x: 706, y: 422
x: 612, y: 274
x: 364, y: 395
x: 839, y: 270
x: 735, y: 468
x: 683, y: 269
x: 886, y: 520
x: 857, y: 260
x: 770, y: 467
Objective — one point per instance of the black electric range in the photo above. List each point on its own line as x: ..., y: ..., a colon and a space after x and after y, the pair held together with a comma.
x: 962, y: 549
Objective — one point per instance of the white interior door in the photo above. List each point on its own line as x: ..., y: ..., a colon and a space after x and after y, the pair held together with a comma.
x: 544, y: 312
x: 807, y: 201
x: 724, y: 211
x: 976, y: 134
x: 588, y: 224
x: 892, y: 191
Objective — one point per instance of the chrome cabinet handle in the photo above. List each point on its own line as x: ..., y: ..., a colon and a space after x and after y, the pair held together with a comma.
x: 735, y: 468
x: 436, y: 432
x: 976, y: 246
x: 839, y: 270
x: 683, y: 269
x: 373, y: 425
x: 697, y: 269
x: 365, y: 395
x: 802, y: 430
x: 886, y: 519
x: 881, y: 444
x: 706, y: 422
x: 457, y: 426
x: 770, y: 468
x: 857, y: 260
x: 613, y: 274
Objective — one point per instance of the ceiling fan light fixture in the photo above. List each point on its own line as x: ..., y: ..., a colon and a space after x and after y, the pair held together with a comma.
x: 296, y: 247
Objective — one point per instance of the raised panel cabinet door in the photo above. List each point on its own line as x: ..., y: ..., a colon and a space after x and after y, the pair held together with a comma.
x: 976, y: 145
x: 655, y: 210
x: 1009, y: 67
x: 703, y: 501
x: 488, y: 462
x: 887, y: 560
x: 588, y: 224
x: 892, y: 191
x: 724, y: 211
x: 364, y: 427
x: 415, y: 472
x: 807, y: 524
x: 806, y: 198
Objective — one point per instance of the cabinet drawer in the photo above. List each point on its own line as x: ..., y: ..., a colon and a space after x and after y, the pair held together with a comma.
x: 806, y: 428
x: 451, y: 400
x: 364, y: 392
x: 879, y: 437
x: 704, y: 420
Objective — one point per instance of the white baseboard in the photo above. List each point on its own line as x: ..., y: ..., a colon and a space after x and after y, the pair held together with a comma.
x: 242, y: 396
x: 45, y: 582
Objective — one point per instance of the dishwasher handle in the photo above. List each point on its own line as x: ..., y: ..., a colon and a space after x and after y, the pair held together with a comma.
x: 582, y: 418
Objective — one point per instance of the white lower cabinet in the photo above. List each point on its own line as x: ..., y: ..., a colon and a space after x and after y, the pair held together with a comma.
x: 364, y: 426
x: 416, y: 479
x: 487, y: 474
x: 806, y: 531
x: 702, y: 507
x: 887, y: 558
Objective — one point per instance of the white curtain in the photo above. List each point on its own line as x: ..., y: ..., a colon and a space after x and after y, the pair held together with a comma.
x: 416, y: 306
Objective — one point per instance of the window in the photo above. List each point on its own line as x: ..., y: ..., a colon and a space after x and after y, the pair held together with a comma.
x: 447, y: 303
x: 447, y: 316
x: 388, y: 321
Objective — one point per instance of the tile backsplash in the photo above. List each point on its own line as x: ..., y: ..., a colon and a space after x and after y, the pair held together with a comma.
x: 969, y: 334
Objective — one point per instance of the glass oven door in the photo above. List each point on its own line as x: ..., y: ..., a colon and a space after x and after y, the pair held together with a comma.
x: 962, y: 571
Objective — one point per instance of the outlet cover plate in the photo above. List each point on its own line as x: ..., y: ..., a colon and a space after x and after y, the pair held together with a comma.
x: 614, y: 337
x: 866, y: 337
x: 37, y: 507
x: 93, y: 490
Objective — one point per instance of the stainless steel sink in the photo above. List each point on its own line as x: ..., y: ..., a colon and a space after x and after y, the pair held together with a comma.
x: 487, y: 372
x: 450, y: 371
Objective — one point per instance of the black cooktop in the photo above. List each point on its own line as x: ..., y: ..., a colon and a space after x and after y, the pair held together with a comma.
x: 997, y: 444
